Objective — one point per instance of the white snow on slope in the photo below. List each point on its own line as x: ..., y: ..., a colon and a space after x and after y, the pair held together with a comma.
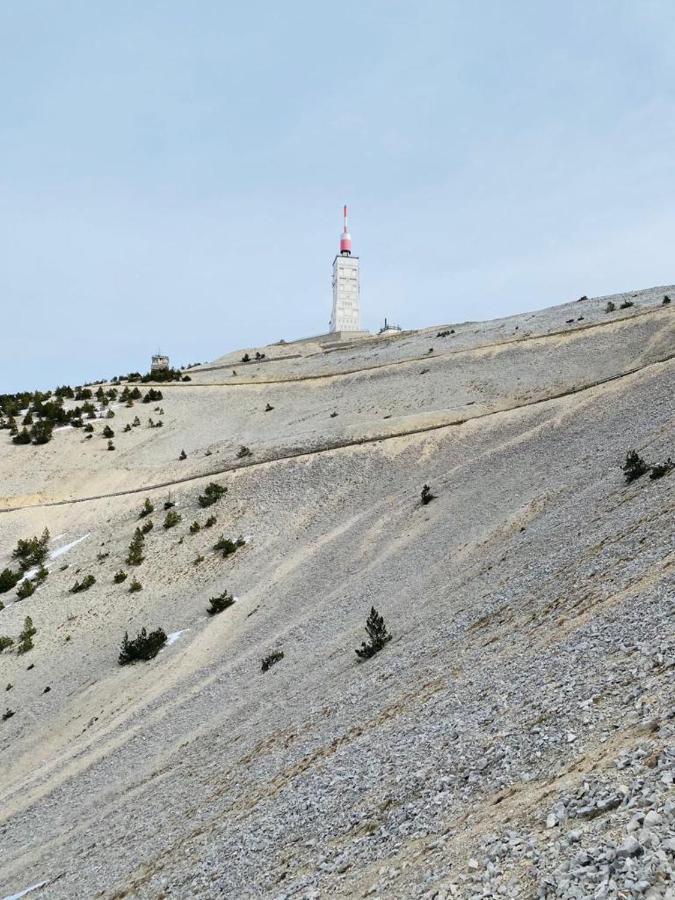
x: 33, y: 887
x: 173, y: 637
x: 66, y: 547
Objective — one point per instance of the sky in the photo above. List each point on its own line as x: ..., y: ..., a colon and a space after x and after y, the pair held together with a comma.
x: 172, y: 174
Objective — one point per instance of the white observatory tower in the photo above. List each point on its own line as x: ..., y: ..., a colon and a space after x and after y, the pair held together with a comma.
x: 346, y: 315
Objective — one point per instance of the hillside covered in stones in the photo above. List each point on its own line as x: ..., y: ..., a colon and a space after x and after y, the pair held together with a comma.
x: 513, y: 739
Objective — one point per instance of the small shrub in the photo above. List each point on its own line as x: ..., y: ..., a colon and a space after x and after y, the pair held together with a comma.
x: 136, y: 423
x: 426, y: 495
x: 183, y: 455
x: 152, y: 396
x: 227, y: 546
x: 143, y: 647
x: 378, y: 634
x: 610, y: 307
x: 88, y: 428
x: 626, y: 304
x: 110, y: 446
x: 634, y: 467
x: 8, y: 713
x: 195, y: 527
x: 108, y: 432
x: 26, y: 636
x: 212, y: 493
x: 169, y: 504
x: 666, y: 300
x: 23, y: 437
x: 172, y: 518
x: 8, y: 580
x: 221, y: 602
x: 271, y: 660
x: 147, y: 509
x: 333, y: 415
x: 135, y: 555
x: 33, y: 551
x: 661, y: 469
x: 210, y: 522
x: 246, y: 358
x: 135, y: 586
x: 127, y: 427
x: 146, y: 526
x: 243, y: 452
x: 83, y: 585
x: 269, y: 408
x: 5, y: 642
x: 25, y: 589
x: 120, y: 576
x: 198, y: 559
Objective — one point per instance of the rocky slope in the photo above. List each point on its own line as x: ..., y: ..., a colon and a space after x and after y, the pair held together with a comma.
x: 514, y: 739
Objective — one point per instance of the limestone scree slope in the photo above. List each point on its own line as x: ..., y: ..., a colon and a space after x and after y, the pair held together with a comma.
x: 513, y: 739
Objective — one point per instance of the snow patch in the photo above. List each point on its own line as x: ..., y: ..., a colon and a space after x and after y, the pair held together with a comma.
x: 33, y: 887
x: 66, y: 547
x: 173, y: 637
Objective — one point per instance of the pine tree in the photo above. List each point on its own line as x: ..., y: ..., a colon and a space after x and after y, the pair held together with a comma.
x: 26, y: 636
x: 634, y: 467
x: 378, y: 634
x: 147, y: 508
x: 135, y: 556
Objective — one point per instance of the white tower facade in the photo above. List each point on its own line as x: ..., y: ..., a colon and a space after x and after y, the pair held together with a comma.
x: 346, y: 314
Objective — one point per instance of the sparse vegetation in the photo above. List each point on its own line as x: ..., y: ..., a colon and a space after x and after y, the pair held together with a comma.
x: 426, y: 495
x: 135, y: 555
x: 272, y: 659
x: 32, y: 551
x: 220, y: 603
x: 25, y: 589
x: 661, y: 469
x: 147, y: 509
x: 634, y: 466
x: 212, y: 493
x: 83, y: 585
x: 197, y: 560
x: 26, y: 636
x: 227, y: 546
x: 143, y: 647
x: 172, y: 518
x: 378, y: 634
x: 8, y: 580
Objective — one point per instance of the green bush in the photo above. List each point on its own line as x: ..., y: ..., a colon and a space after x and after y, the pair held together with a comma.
x: 83, y: 585
x: 26, y: 636
x: 634, y: 467
x: 110, y: 446
x: 221, y: 602
x: 25, y: 589
x: 661, y: 469
x: 210, y: 522
x: 32, y: 551
x: 152, y: 396
x: 143, y: 647
x: 227, y: 546
x: 147, y: 509
x: 172, y: 519
x: 427, y: 496
x: 41, y: 432
x: 23, y: 437
x: 274, y: 657
x: 212, y: 493
x: 378, y: 634
x: 135, y: 555
x: 147, y: 526
x: 195, y: 527
x: 120, y: 576
x: 243, y: 452
x: 108, y: 432
x: 610, y: 307
x: 135, y: 586
x: 626, y: 304
x: 8, y: 580
x: 5, y: 642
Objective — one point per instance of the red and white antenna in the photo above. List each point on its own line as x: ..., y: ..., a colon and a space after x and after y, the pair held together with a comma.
x: 345, y: 238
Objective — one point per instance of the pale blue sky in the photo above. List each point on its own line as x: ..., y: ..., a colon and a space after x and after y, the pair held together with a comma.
x: 172, y: 173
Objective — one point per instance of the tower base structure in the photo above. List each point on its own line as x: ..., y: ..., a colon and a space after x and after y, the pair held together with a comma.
x: 346, y: 313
